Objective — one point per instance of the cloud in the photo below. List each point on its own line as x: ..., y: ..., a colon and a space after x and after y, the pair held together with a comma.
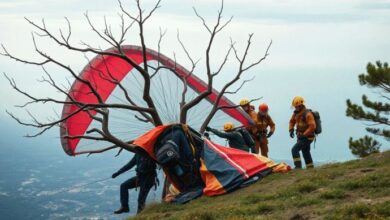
x: 77, y: 190
x: 29, y: 181
x: 4, y: 194
x: 52, y: 7
x: 383, y: 5
x: 319, y: 11
x: 53, y: 206
x: 47, y: 193
x: 79, y: 205
x: 292, y: 11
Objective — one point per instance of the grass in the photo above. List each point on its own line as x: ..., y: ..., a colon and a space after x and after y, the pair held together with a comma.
x: 332, y: 194
x: 362, y: 211
x: 358, y: 189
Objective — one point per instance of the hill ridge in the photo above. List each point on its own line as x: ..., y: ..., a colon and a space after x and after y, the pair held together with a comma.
x: 347, y: 190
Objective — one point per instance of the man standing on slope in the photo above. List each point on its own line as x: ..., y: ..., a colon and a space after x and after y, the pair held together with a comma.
x: 264, y: 121
x: 305, y: 127
x: 250, y: 110
x: 145, y: 179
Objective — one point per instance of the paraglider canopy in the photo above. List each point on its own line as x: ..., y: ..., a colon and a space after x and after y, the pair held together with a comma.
x: 165, y: 90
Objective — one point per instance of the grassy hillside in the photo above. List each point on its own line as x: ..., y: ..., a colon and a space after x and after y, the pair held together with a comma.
x: 350, y: 190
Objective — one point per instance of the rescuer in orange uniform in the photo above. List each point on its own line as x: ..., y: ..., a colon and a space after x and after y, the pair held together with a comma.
x: 305, y: 124
x: 250, y: 110
x: 264, y: 121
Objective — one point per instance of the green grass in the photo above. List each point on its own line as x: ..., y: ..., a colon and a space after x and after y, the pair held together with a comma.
x: 362, y: 211
x: 332, y: 194
x: 358, y: 189
x: 374, y: 180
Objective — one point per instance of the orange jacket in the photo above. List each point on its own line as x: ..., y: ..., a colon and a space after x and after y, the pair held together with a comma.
x: 304, y: 127
x: 263, y: 121
x: 252, y: 129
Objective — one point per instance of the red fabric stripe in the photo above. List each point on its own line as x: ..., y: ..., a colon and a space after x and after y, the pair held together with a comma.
x: 224, y: 155
x: 246, y: 163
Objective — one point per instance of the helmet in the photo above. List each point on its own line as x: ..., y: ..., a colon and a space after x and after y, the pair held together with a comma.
x: 228, y: 126
x: 298, y: 100
x: 244, y: 102
x: 263, y: 108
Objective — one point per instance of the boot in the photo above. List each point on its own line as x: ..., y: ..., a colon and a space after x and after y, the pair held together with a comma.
x: 298, y: 163
x: 122, y: 210
x: 309, y: 166
x: 140, y: 208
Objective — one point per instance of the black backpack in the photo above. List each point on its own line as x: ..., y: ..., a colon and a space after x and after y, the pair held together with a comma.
x: 317, y: 119
x: 247, y: 137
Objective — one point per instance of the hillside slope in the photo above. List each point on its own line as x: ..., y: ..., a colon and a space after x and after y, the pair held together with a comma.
x: 350, y: 190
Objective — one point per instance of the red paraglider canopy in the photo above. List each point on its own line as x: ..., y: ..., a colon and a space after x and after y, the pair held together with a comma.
x: 103, y: 67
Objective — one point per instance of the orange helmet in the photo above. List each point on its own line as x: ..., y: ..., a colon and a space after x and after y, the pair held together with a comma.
x: 263, y: 108
x: 228, y: 126
x: 298, y: 100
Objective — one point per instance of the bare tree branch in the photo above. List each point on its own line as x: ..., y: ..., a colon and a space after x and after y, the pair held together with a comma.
x: 224, y: 61
x: 67, y: 38
x: 119, y: 152
x: 236, y: 106
x: 185, y: 78
x: 90, y: 152
x: 239, y: 88
x: 108, y: 40
x: 115, y: 81
x: 240, y: 71
x: 261, y: 59
x: 162, y: 34
x: 140, y: 20
x: 156, y: 6
x: 203, y: 20
x: 7, y: 54
x: 43, y: 126
x: 185, y: 108
x: 141, y: 119
x: 99, y: 111
x: 120, y: 55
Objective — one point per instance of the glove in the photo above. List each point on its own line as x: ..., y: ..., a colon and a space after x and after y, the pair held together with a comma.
x: 253, y: 150
x: 292, y: 133
x: 115, y: 175
x: 208, y: 128
x: 270, y: 134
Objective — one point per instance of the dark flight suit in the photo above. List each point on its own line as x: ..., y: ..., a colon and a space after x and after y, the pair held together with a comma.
x: 145, y: 179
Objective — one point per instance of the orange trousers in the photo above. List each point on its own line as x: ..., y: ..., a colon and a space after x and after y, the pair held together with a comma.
x: 262, y: 145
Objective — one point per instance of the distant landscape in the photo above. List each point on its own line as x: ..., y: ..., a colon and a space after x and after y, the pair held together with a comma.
x: 38, y: 181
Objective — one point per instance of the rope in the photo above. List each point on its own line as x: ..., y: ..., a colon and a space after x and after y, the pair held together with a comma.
x: 191, y: 141
x: 86, y: 184
x: 79, y: 186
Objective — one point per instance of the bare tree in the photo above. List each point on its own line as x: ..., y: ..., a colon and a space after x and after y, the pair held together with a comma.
x: 100, y: 111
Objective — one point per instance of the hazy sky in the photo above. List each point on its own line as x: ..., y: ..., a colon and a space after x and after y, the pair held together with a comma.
x: 319, y: 48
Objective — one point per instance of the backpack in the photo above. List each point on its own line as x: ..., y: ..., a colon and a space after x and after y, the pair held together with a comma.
x: 246, y: 136
x: 317, y: 119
